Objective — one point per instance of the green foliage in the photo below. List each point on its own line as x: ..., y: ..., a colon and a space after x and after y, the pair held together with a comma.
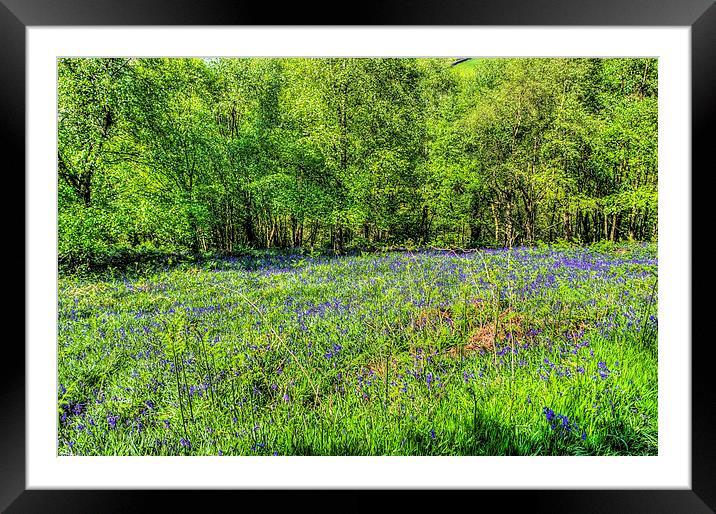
x: 229, y: 155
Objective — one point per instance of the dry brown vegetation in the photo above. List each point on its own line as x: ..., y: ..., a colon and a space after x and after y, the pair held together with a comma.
x: 483, y: 329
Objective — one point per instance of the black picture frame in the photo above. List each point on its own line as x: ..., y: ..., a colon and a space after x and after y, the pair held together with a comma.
x: 699, y: 15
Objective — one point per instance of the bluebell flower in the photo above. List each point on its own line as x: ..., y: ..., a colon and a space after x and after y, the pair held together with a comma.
x: 549, y: 413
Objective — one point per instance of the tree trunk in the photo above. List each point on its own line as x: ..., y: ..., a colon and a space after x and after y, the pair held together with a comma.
x: 424, y: 219
x: 615, y: 220
x: 497, y: 222
x: 566, y: 225
x: 606, y: 226
x: 632, y: 219
x: 508, y: 225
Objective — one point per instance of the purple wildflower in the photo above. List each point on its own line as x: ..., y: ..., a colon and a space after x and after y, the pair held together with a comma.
x: 549, y: 413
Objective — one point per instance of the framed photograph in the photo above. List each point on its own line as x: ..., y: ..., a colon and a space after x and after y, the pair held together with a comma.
x: 266, y: 167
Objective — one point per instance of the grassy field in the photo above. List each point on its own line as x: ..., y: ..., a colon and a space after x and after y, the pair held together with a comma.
x: 528, y: 351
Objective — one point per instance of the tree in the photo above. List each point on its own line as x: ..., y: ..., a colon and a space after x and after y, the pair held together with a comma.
x: 225, y: 154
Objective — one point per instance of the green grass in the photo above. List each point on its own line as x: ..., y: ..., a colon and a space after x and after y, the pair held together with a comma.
x: 384, y: 354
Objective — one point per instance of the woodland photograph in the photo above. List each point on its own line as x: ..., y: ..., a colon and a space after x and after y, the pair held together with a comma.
x: 357, y: 256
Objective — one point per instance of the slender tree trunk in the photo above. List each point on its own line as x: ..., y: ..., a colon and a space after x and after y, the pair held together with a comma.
x: 497, y: 222
x: 566, y: 227
x: 508, y: 224
x: 632, y: 220
x: 529, y: 223
x: 424, y: 225
x: 615, y: 221
x: 606, y: 226
x: 644, y: 224
x: 270, y: 237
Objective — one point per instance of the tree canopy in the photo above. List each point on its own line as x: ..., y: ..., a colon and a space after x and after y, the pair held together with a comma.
x: 336, y: 153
